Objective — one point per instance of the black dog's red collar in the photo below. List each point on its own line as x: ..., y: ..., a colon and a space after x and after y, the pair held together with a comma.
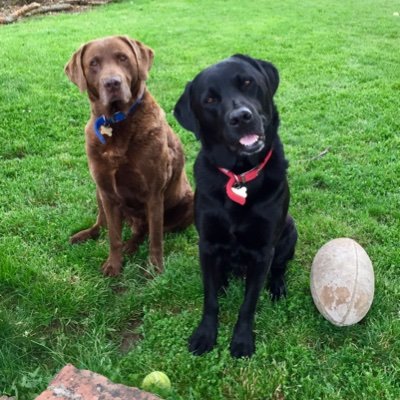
x: 235, y: 187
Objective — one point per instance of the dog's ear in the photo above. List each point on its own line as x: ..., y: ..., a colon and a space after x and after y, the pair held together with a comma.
x: 184, y: 114
x: 74, y: 69
x: 266, y: 68
x: 144, y: 56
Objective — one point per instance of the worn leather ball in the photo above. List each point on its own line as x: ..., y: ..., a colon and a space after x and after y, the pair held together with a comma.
x: 342, y: 281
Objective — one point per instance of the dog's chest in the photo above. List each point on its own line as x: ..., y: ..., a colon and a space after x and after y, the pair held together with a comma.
x: 126, y: 177
x: 115, y: 158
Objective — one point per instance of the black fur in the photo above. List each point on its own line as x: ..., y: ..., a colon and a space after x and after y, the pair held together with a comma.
x: 223, y: 104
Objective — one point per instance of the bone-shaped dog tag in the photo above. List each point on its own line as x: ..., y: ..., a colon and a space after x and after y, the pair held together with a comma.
x: 106, y: 130
x: 240, y: 191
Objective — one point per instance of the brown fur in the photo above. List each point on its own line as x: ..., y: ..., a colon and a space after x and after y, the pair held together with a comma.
x: 139, y: 172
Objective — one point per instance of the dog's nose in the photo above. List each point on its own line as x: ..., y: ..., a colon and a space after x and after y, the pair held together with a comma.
x: 112, y: 83
x: 241, y: 115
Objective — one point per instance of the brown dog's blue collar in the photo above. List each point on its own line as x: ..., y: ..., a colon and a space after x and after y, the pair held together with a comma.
x: 115, y: 118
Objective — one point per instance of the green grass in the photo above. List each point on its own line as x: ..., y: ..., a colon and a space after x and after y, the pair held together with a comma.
x: 340, y: 82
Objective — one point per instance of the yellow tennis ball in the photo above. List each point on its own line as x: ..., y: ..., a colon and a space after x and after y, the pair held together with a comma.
x: 156, y: 380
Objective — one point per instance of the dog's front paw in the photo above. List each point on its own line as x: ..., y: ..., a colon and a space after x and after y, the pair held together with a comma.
x: 242, y: 344
x: 156, y: 260
x: 202, y: 340
x: 277, y: 288
x: 112, y: 267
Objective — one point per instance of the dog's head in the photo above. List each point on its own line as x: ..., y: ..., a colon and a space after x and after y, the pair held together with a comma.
x: 231, y: 104
x: 113, y: 70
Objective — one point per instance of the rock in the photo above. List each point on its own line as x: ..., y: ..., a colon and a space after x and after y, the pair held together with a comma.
x: 75, y: 384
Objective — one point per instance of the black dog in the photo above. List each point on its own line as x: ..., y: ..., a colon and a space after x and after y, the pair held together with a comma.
x: 242, y: 195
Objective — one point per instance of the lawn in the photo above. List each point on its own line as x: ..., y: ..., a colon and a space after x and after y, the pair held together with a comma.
x: 339, y: 105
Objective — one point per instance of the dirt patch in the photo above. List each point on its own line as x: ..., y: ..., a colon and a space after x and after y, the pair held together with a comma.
x: 7, y: 7
x: 14, y: 10
x: 130, y: 336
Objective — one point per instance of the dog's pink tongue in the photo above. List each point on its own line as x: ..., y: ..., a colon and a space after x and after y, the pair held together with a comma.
x: 248, y: 140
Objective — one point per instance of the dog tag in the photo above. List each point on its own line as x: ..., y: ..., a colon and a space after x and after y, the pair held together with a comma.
x: 106, y: 130
x: 240, y: 191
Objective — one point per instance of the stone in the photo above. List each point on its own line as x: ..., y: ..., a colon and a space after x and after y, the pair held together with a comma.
x: 75, y: 384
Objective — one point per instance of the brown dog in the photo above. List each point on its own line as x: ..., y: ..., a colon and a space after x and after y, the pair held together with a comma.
x: 134, y: 156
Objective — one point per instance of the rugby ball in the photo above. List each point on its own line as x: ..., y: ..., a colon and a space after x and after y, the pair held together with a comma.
x: 342, y: 281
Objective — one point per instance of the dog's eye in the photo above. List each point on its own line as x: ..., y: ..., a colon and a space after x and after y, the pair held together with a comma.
x: 210, y: 100
x: 247, y: 82
x: 122, y: 57
x: 94, y: 62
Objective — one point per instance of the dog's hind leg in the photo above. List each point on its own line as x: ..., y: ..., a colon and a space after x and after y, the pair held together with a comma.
x: 139, y: 232
x: 284, y: 252
x: 181, y: 215
x: 94, y: 231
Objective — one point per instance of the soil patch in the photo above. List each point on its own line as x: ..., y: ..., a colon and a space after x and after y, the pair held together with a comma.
x: 13, y: 10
